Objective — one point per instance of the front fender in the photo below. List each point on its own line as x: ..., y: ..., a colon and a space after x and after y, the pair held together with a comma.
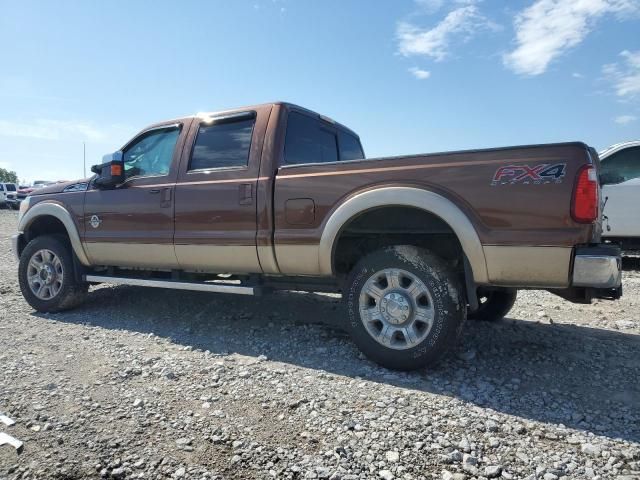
x: 56, y: 210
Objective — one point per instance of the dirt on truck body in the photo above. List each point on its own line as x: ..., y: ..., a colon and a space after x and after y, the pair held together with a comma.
x: 278, y: 197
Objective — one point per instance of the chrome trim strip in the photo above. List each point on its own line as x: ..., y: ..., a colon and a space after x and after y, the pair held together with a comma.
x: 409, y: 197
x: 226, y: 180
x: 597, y: 271
x: 58, y: 211
x: 200, y: 287
x: 382, y: 169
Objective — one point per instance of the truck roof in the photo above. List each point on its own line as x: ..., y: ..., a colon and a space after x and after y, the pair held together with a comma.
x: 288, y: 105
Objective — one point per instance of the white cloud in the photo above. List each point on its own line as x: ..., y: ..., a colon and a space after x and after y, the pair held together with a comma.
x: 548, y: 28
x: 626, y: 77
x: 45, y: 129
x: 435, y: 42
x: 577, y: 75
x: 419, y: 73
x: 625, y: 119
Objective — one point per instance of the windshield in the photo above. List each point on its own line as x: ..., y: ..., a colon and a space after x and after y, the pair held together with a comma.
x: 10, y: 187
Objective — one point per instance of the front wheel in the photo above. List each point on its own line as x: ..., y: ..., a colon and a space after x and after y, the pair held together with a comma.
x: 405, y: 307
x: 46, y: 275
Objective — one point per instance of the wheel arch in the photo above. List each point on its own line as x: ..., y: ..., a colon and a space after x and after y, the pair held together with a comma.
x: 424, y: 200
x: 47, y: 212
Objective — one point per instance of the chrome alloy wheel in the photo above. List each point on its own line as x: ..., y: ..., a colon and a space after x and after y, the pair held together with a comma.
x: 45, y: 274
x: 396, y: 308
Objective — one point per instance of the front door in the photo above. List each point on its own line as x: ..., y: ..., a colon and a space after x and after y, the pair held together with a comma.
x: 215, y: 229
x: 132, y: 224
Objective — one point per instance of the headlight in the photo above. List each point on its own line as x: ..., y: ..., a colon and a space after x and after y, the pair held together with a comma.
x: 24, y: 206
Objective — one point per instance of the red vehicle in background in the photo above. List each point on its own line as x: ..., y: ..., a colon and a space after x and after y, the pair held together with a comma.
x: 23, y: 191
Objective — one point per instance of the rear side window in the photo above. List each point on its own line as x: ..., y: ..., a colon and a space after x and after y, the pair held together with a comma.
x: 621, y: 166
x: 309, y: 141
x: 350, y: 148
x: 222, y: 145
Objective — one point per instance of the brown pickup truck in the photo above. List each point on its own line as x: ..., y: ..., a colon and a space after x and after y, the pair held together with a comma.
x: 275, y: 196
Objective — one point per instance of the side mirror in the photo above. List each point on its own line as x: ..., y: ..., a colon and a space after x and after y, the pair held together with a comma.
x: 110, y: 172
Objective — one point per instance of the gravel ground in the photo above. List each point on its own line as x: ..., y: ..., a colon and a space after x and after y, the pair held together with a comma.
x: 146, y: 383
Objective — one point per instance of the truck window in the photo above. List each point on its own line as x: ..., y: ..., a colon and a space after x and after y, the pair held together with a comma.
x: 350, y: 148
x: 621, y: 166
x: 151, y: 154
x: 222, y: 145
x: 11, y: 187
x: 309, y: 141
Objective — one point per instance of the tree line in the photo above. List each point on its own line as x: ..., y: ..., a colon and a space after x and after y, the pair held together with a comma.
x: 7, y: 176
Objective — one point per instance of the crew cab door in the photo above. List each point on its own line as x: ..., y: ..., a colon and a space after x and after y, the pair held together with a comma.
x: 216, y: 201
x: 132, y: 225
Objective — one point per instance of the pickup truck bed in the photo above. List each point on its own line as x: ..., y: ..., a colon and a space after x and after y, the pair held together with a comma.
x: 281, y: 197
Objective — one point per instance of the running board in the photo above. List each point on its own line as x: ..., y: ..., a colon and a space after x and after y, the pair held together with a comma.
x: 198, y: 286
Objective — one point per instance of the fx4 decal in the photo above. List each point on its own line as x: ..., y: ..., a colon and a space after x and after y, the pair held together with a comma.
x: 538, y: 174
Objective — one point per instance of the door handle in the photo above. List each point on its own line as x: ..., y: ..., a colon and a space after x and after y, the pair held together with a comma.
x: 165, y: 200
x: 154, y: 190
x: 246, y: 194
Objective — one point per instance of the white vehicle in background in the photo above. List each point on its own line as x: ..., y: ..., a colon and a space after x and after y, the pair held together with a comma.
x: 620, y: 180
x: 8, y: 192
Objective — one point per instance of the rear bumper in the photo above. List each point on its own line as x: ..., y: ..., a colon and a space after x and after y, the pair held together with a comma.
x: 598, y: 266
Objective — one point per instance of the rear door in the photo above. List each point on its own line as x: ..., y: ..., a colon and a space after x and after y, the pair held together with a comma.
x: 132, y: 225
x: 215, y: 217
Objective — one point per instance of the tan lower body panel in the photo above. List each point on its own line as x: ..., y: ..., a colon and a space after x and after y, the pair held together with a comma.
x: 268, y: 259
x: 544, y: 267
x: 298, y: 259
x: 218, y: 258
x: 139, y: 255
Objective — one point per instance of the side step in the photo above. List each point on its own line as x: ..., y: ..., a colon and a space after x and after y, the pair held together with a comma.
x: 198, y: 286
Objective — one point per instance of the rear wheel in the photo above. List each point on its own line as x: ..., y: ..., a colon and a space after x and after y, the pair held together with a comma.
x: 404, y: 307
x: 46, y: 275
x: 494, y: 304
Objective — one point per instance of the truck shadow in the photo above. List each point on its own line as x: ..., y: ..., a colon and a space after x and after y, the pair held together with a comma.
x: 584, y: 378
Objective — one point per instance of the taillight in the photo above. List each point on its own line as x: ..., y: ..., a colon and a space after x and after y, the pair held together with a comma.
x: 584, y: 208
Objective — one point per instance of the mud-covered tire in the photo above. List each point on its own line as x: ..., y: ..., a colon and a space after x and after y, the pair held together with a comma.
x: 494, y: 304
x: 423, y: 271
x: 70, y: 294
